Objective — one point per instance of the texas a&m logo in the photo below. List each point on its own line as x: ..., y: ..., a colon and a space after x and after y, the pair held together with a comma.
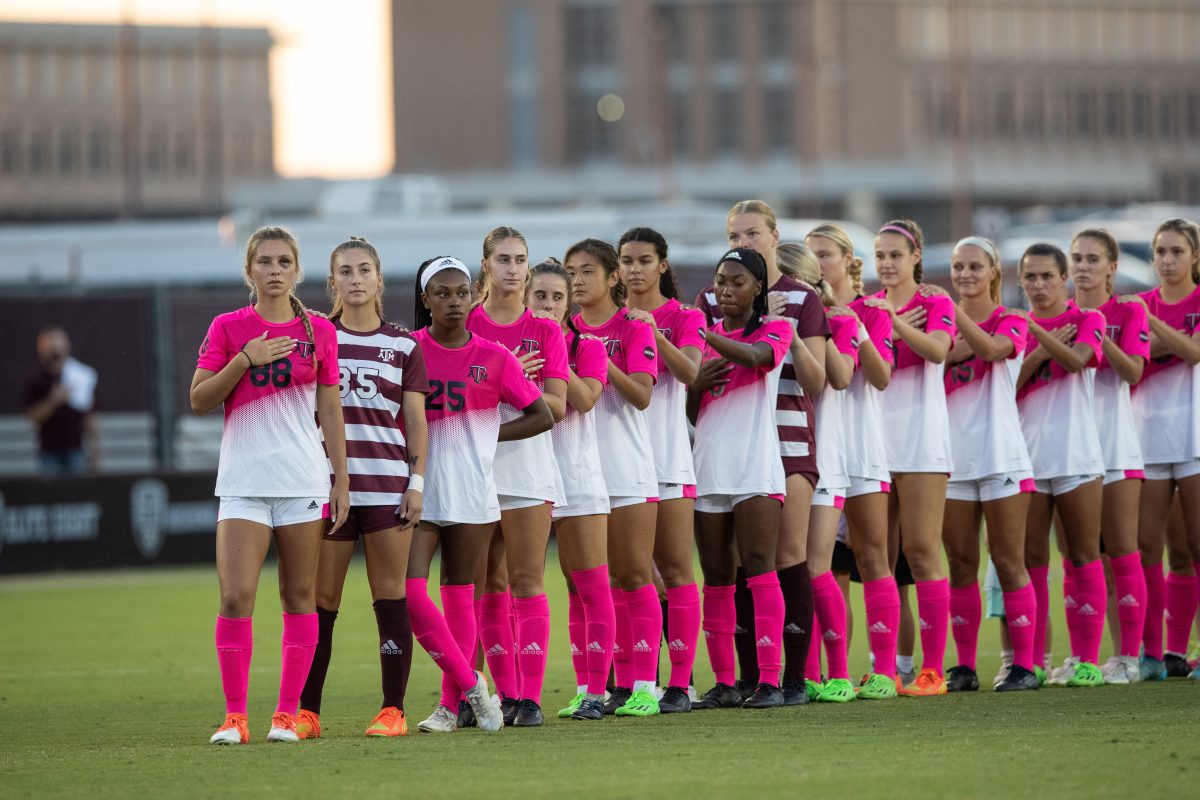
x: 666, y: 332
x: 304, y: 349
x: 613, y: 346
x: 386, y: 354
x: 529, y: 345
x: 1191, y: 321
x: 477, y: 373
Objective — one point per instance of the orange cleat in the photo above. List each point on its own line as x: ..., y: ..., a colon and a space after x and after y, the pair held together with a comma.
x: 388, y: 722
x: 234, y: 731
x: 308, y: 725
x: 283, y: 728
x: 927, y: 684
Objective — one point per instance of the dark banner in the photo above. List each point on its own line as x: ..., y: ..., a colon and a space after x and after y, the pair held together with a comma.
x: 100, y: 522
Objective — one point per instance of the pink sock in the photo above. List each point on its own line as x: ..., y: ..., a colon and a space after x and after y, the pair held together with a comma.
x: 645, y: 625
x: 966, y: 613
x: 234, y: 638
x: 933, y: 618
x: 1091, y: 591
x: 623, y: 641
x: 1156, y: 603
x: 882, y: 599
x: 479, y: 660
x: 1071, y: 604
x: 683, y: 631
x: 768, y: 625
x: 1181, y: 610
x: 577, y: 633
x: 533, y: 636
x: 429, y: 626
x: 1020, y: 609
x: 720, y: 619
x: 831, y: 613
x: 812, y: 664
x: 600, y: 619
x: 495, y: 634
x: 1129, y: 583
x: 1039, y: 578
x: 299, y: 644
x: 458, y: 607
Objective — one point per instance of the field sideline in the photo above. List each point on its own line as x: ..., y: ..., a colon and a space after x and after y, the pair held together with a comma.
x: 109, y: 688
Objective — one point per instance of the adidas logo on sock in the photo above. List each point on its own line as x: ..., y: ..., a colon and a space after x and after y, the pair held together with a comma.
x: 1069, y: 602
x: 677, y: 644
x: 958, y: 620
x: 708, y: 634
x: 390, y: 648
x: 435, y: 655
x: 739, y: 629
x: 792, y: 627
x: 879, y: 627
x: 312, y: 505
x: 497, y: 650
x: 1087, y: 610
x: 831, y: 636
x: 595, y: 647
x: 765, y: 642
x: 1129, y: 601
x: 532, y: 649
x: 641, y: 646
x: 925, y: 626
x: 575, y: 650
x: 1167, y: 614
x: 1020, y: 622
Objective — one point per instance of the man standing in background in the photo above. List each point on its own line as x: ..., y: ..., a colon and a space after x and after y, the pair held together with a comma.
x: 59, y: 399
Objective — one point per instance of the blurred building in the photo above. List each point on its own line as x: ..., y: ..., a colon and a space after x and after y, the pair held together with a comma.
x: 853, y: 108
x: 123, y: 120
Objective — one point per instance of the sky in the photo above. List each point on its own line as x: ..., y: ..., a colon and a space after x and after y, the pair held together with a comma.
x: 330, y: 70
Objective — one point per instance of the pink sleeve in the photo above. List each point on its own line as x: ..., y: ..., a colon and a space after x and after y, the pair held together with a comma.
x: 689, y: 331
x: 515, y: 388
x: 214, y: 350
x: 640, y: 353
x: 591, y: 360
x: 844, y: 332
x: 940, y: 315
x: 1090, y: 331
x: 1016, y: 330
x: 1135, y: 334
x: 326, y: 336
x: 778, y: 334
x: 554, y: 350
x: 879, y: 327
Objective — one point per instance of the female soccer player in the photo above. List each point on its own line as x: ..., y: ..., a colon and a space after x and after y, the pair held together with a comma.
x: 1056, y: 399
x: 1166, y: 406
x: 751, y: 223
x: 1126, y: 349
x: 654, y: 299
x: 528, y: 482
x: 628, y: 464
x: 992, y: 476
x: 581, y: 523
x: 739, y: 476
x: 273, y: 366
x: 866, y: 455
x: 917, y: 434
x: 469, y: 377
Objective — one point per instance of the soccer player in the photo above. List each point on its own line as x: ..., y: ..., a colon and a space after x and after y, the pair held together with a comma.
x: 627, y: 460
x: 469, y: 377
x: 654, y: 299
x: 273, y: 366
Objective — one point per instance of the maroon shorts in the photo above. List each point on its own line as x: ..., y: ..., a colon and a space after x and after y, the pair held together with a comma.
x: 363, y: 520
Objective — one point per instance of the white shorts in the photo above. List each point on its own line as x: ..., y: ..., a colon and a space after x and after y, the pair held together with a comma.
x: 676, y: 491
x: 509, y: 502
x: 1114, y: 475
x: 861, y: 486
x: 1177, y: 471
x: 621, y: 502
x: 585, y: 508
x: 993, y: 487
x: 1064, y: 485
x: 274, y: 512
x: 724, y: 503
x: 830, y: 497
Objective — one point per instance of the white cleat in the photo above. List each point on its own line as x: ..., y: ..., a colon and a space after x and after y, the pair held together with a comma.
x: 487, y: 711
x: 1061, y: 675
x: 442, y: 720
x: 1002, y: 675
x: 1121, y: 671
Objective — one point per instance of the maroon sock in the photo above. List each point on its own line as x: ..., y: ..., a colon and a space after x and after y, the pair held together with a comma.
x: 797, y: 620
x: 310, y: 696
x: 395, y: 649
x: 743, y: 635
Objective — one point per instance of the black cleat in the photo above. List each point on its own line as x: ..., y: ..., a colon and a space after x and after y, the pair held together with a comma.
x: 962, y: 679
x: 720, y: 696
x: 529, y: 715
x: 1018, y: 679
x: 795, y: 693
x: 589, y: 710
x: 466, y: 716
x: 508, y: 707
x: 744, y: 688
x: 765, y: 696
x: 1177, y: 666
x: 616, y: 698
x: 674, y: 701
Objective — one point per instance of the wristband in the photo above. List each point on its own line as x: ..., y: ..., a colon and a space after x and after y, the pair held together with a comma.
x: 416, y: 483
x: 249, y: 360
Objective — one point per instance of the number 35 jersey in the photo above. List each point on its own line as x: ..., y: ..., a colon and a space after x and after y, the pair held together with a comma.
x: 271, y: 446
x: 466, y: 387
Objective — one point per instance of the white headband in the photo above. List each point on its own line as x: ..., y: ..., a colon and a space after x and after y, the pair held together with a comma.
x: 442, y: 265
x: 983, y: 244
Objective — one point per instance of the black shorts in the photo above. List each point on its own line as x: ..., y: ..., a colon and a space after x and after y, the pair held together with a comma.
x: 363, y: 520
x: 843, y: 559
x: 904, y: 576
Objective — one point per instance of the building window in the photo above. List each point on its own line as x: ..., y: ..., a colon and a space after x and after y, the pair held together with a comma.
x: 523, y: 122
x: 1191, y: 117
x: 10, y: 144
x: 1114, y: 114
x: 99, y: 151
x: 775, y: 23
x: 39, y: 153
x: 68, y: 151
x: 724, y: 32
x: 1140, y: 113
x: 727, y: 120
x: 592, y: 34
x: 185, y: 153
x: 156, y: 151
x: 672, y: 32
x: 1033, y: 114
x: 1082, y: 125
x: 681, y: 124
x: 592, y: 73
x: 1004, y: 110
x: 1168, y: 115
x: 779, y: 118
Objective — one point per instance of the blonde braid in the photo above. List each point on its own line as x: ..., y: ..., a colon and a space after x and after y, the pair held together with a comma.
x: 302, y: 313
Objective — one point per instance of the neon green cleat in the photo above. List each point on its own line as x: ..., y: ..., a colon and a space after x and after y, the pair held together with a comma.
x: 640, y: 704
x: 877, y: 687
x: 813, y: 688
x: 572, y: 707
x: 836, y: 690
x: 1086, y: 674
x: 1041, y: 675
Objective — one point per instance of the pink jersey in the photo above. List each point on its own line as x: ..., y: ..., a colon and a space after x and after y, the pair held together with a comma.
x: 271, y: 446
x: 467, y: 385
x: 981, y: 401
x: 1166, y: 401
x: 1058, y: 407
x: 830, y: 416
x: 1128, y: 326
x: 737, y: 444
x: 575, y: 446
x: 866, y: 451
x: 627, y: 457
x: 682, y: 326
x: 526, y: 467
x: 915, y: 422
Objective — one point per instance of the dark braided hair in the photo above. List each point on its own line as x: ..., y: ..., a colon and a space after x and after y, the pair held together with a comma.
x: 422, y: 318
x: 756, y: 266
x: 668, y: 286
x: 552, y: 266
x: 606, y: 259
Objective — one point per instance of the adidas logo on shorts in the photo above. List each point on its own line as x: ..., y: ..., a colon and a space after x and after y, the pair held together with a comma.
x: 1020, y: 622
x: 595, y: 647
x: 390, y: 648
x: 532, y: 649
x: 498, y: 650
x: 1009, y: 481
x: 1129, y: 601
x: 677, y: 644
x: 792, y: 627
x: 765, y: 642
x: 879, y: 627
x: 641, y: 646
x: 958, y: 620
x: 312, y: 505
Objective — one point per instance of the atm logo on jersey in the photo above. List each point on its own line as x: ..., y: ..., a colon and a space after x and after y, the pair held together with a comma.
x: 304, y: 349
x: 477, y: 373
x: 1113, y: 332
x: 529, y: 345
x: 613, y: 346
x: 1191, y: 321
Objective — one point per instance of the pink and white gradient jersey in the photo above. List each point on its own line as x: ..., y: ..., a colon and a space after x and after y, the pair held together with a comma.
x: 467, y: 385
x: 1128, y: 326
x: 981, y: 401
x: 624, y: 431
x: 375, y: 369
x: 1058, y: 407
x: 575, y: 446
x: 682, y: 326
x: 866, y: 452
x: 794, y: 409
x: 271, y: 446
x: 737, y: 444
x: 915, y: 423
x: 830, y: 420
x: 1166, y: 402
x: 526, y: 467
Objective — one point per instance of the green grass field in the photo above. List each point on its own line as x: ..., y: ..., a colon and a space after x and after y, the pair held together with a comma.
x: 109, y: 688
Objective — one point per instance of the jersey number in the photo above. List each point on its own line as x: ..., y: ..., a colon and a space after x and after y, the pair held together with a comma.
x: 278, y: 373
x: 362, y: 381
x: 451, y: 391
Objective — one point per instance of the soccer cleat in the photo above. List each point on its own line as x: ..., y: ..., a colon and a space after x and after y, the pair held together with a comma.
x: 640, y: 704
x: 616, y: 698
x: 508, y: 709
x: 591, y: 710
x: 486, y: 707
x: 876, y: 687
x: 1040, y: 674
x: 1152, y: 669
x: 836, y: 690
x: 1018, y: 679
x: 563, y: 713
x: 720, y: 696
x: 796, y: 693
x: 529, y: 715
x: 1176, y: 665
x: 765, y: 696
x: 308, y: 724
x: 1086, y: 674
x: 442, y: 720
x: 389, y: 721
x: 283, y: 728
x: 744, y: 688
x: 233, y: 731
x: 1121, y: 671
x: 465, y: 717
x: 1002, y: 673
x: 906, y: 678
x: 674, y: 701
x: 1195, y: 674
x: 928, y: 683
x: 1061, y: 675
x: 813, y: 688
x: 962, y: 679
